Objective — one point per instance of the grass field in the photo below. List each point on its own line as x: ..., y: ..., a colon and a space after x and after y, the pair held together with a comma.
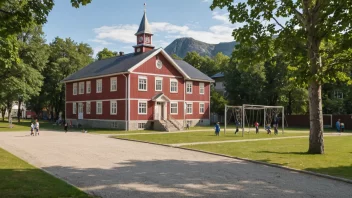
x: 20, y: 179
x: 336, y: 161
x: 206, y: 136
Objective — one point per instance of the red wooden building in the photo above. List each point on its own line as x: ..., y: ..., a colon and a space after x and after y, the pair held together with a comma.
x: 144, y: 89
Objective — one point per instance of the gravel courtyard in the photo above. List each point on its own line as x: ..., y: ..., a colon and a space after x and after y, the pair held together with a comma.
x: 108, y: 167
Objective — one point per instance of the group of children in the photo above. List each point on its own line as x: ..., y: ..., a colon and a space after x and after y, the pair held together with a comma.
x: 35, y: 128
x: 256, y: 124
x: 340, y: 126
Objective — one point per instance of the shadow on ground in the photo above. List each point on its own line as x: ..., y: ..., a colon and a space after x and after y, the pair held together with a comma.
x: 168, y: 178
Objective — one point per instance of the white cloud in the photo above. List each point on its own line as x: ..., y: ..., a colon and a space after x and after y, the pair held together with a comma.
x: 103, y: 42
x: 224, y: 18
x: 122, y: 33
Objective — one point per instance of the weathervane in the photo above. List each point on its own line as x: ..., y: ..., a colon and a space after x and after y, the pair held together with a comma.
x: 145, y: 7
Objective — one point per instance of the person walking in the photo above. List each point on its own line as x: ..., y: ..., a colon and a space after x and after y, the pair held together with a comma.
x: 36, y: 127
x: 256, y: 124
x: 65, y: 126
x: 217, y: 129
x: 237, y: 125
x: 338, y: 126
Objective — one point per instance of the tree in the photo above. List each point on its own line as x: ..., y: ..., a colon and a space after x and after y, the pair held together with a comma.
x: 174, y: 56
x: 106, y: 53
x: 22, y: 79
x: 66, y: 57
x: 207, y: 65
x: 309, y: 22
x: 217, y: 102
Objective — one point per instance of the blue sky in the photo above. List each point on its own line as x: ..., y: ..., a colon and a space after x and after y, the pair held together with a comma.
x: 112, y: 23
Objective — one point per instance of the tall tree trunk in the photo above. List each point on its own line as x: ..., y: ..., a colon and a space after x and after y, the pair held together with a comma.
x: 3, y: 111
x: 289, y: 106
x: 316, y: 137
x: 19, y: 110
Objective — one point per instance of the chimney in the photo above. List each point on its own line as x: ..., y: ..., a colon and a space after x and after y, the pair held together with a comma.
x: 122, y: 53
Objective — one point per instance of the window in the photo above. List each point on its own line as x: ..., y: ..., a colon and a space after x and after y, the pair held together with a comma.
x: 141, y: 125
x: 74, y: 88
x: 88, y: 108
x: 189, y: 108
x: 201, y: 108
x: 113, y: 84
x: 158, y: 84
x: 114, y: 125
x: 88, y: 87
x: 142, y: 83
x: 189, y: 87
x: 174, y: 108
x: 74, y: 108
x: 201, y: 88
x: 99, y: 107
x: 142, y: 107
x: 338, y: 94
x: 99, y: 86
x: 173, y: 86
x: 113, y: 107
x: 80, y: 107
x: 81, y: 88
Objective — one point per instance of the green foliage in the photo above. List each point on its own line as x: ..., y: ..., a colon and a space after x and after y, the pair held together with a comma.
x: 217, y: 102
x: 174, y: 56
x: 106, y: 53
x: 207, y: 65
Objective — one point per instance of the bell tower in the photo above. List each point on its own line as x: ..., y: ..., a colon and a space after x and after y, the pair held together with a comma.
x: 144, y: 36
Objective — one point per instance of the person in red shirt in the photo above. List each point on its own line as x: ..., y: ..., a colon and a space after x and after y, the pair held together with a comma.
x: 256, y: 124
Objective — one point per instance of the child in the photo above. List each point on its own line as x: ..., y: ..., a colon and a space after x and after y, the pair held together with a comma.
x: 338, y: 126
x: 342, y: 125
x: 32, y: 128
x: 267, y: 128
x: 65, y: 127
x: 237, y: 125
x: 275, y: 129
x: 36, y: 127
x: 256, y: 124
x: 217, y: 129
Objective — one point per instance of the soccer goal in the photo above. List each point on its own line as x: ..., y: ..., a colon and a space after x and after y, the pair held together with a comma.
x: 327, y: 121
x: 243, y: 117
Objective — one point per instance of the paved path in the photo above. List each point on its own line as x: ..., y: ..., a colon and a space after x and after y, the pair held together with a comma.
x: 115, y: 168
x: 252, y: 140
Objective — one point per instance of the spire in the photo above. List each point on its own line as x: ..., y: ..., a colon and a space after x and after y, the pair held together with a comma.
x: 144, y: 27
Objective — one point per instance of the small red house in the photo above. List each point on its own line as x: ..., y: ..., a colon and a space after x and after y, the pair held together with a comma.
x: 144, y: 89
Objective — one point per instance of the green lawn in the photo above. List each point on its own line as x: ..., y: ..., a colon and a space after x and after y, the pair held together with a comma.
x: 336, y: 161
x: 205, y: 136
x: 20, y: 179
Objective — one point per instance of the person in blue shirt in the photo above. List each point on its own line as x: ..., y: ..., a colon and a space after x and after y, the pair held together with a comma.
x: 338, y: 125
x: 217, y: 129
x: 237, y: 125
x: 267, y: 128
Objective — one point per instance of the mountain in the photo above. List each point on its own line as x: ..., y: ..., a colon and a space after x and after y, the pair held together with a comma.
x: 181, y: 46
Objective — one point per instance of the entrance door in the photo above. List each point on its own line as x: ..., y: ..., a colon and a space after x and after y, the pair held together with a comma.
x: 80, y: 111
x: 160, y: 110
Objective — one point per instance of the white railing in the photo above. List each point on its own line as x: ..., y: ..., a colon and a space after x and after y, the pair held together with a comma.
x: 175, y: 122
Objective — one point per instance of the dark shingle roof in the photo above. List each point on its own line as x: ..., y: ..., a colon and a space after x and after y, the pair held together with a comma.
x: 110, y: 65
x: 191, y: 71
x: 218, y: 75
x: 124, y: 63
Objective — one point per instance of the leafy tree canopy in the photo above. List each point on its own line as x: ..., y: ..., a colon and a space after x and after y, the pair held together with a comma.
x: 106, y: 53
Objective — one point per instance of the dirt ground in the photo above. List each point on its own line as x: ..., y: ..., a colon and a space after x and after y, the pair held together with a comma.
x: 116, y: 168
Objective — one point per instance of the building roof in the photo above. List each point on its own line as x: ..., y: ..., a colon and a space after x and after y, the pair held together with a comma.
x: 108, y: 66
x: 128, y: 62
x: 144, y: 27
x: 218, y: 75
x: 192, y: 72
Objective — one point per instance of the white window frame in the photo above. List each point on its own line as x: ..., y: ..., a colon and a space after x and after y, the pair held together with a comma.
x: 161, y: 86
x: 80, y: 107
x: 81, y: 88
x: 74, y: 89
x: 146, y: 107
x: 146, y: 83
x: 191, y: 88
x: 113, y: 79
x: 99, y: 81
x: 171, y: 81
x: 171, y: 103
x: 74, y: 108
x: 200, y: 112
x: 97, y: 112
x: 88, y: 108
x: 201, y: 88
x: 187, y: 108
x: 88, y: 87
x: 112, y: 112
